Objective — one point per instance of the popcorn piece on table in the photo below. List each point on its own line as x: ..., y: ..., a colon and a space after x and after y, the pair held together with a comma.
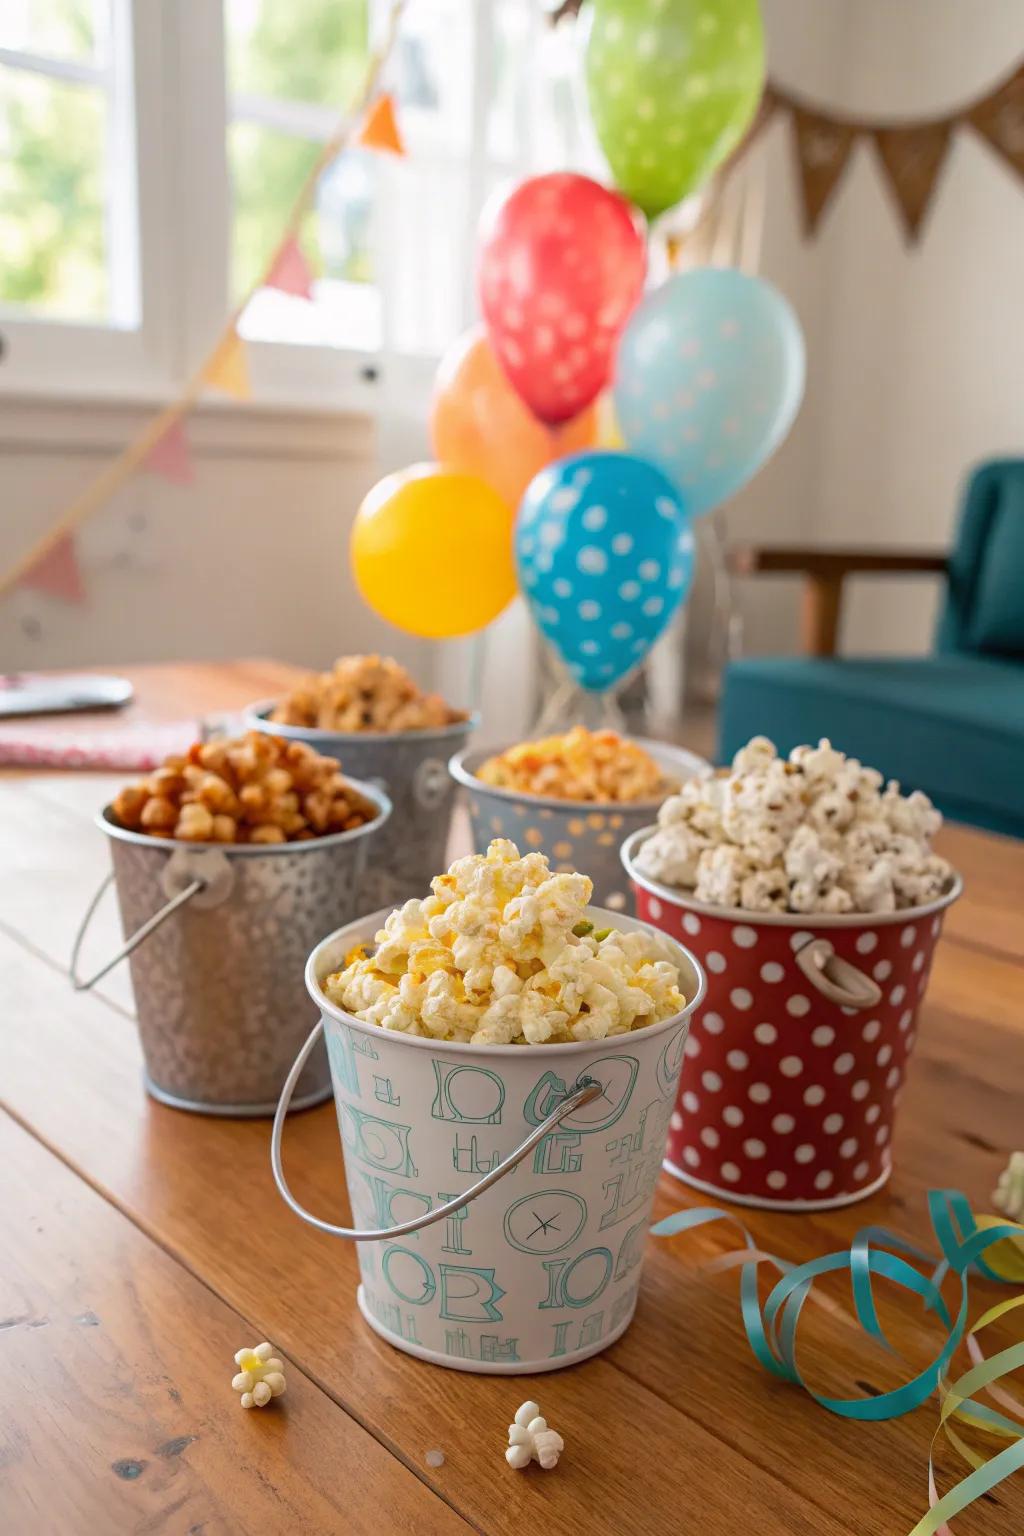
x: 260, y: 1376
x: 530, y: 1439
x: 1008, y: 1195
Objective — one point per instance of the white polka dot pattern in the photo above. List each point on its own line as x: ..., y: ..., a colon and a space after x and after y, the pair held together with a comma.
x: 795, y: 1096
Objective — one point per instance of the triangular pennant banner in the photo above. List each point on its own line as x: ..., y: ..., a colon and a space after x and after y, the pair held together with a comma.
x: 822, y: 150
x: 57, y: 573
x: 227, y: 369
x: 290, y: 272
x: 912, y: 159
x: 379, y: 128
x: 169, y: 456
x: 1000, y: 120
x: 762, y: 117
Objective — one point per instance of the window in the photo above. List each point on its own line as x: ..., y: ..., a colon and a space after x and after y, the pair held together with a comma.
x: 150, y: 151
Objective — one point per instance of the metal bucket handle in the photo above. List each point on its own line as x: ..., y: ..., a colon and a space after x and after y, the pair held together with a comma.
x: 188, y: 873
x: 587, y: 1089
x: 835, y: 978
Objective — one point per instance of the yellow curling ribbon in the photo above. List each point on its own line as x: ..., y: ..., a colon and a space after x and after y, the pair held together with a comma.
x: 993, y: 1247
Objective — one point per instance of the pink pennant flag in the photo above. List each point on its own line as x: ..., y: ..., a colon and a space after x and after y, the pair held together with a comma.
x: 169, y: 456
x: 290, y: 272
x: 57, y: 573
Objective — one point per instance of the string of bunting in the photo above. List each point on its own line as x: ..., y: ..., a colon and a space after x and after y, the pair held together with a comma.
x: 993, y: 1247
x: 912, y: 152
x: 161, y: 447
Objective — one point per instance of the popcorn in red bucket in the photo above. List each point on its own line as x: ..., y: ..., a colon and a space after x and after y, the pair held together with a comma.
x: 797, y: 1059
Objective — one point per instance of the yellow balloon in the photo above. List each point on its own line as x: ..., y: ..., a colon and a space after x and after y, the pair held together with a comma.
x: 432, y: 551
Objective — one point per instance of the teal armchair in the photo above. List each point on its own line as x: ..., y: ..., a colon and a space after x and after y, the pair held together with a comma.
x: 950, y: 723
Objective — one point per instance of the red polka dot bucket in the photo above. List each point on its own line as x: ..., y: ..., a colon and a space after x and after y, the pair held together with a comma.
x: 796, y: 1061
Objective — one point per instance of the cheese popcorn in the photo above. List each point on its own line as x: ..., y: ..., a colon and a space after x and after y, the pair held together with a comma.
x: 501, y: 953
x: 812, y: 833
x: 596, y: 766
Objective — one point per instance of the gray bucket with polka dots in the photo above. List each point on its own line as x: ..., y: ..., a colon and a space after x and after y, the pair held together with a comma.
x: 575, y: 834
x: 411, y: 767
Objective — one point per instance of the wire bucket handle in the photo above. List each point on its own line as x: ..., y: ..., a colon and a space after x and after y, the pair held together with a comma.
x: 201, y: 875
x: 586, y: 1090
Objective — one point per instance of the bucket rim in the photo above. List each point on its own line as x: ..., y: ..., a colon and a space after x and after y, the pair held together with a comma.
x: 255, y: 717
x: 458, y: 767
x: 104, y: 820
x: 375, y: 920
x: 798, y: 920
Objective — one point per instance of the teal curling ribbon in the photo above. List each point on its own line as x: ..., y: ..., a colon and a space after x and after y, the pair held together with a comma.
x: 771, y: 1328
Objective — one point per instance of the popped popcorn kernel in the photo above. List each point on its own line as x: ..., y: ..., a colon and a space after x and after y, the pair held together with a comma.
x: 812, y: 833
x: 501, y: 953
x: 530, y: 1439
x: 260, y: 1376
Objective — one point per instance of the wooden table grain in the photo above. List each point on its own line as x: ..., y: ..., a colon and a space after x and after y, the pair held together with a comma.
x: 143, y: 1246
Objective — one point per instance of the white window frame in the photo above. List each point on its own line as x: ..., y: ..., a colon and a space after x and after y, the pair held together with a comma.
x: 170, y: 116
x: 68, y: 357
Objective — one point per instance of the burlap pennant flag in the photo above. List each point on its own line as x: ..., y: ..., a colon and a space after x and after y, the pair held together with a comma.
x: 228, y: 370
x: 1000, y: 120
x: 57, y: 573
x: 912, y: 161
x: 822, y: 150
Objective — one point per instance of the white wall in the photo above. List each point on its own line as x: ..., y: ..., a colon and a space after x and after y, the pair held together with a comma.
x: 917, y: 353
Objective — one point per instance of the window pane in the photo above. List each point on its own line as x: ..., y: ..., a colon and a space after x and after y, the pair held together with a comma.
x: 297, y: 50
x: 53, y: 197
x: 267, y: 168
x: 64, y: 29
x: 431, y: 74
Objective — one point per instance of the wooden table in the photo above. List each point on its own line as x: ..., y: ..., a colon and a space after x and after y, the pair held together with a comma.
x: 142, y: 1247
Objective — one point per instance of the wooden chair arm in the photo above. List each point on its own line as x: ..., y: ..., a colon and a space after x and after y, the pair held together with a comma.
x: 824, y: 571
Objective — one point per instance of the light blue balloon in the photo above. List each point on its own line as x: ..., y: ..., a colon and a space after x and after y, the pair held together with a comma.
x: 605, y: 554
x: 708, y: 380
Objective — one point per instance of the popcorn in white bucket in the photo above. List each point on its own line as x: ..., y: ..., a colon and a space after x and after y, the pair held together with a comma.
x: 812, y: 833
x: 502, y: 953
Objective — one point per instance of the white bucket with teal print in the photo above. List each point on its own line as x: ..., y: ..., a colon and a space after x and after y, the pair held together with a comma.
x: 500, y: 1195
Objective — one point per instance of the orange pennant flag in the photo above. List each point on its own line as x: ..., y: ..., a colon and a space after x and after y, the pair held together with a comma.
x: 379, y: 128
x: 228, y: 370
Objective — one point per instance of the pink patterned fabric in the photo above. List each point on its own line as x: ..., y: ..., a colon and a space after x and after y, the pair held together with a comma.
x: 87, y: 744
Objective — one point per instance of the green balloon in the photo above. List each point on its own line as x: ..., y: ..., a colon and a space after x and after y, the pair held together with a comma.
x: 672, y: 86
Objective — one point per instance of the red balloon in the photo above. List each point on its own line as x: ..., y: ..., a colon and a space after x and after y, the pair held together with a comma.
x: 561, y: 268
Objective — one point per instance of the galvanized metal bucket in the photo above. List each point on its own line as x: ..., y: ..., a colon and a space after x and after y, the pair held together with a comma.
x: 575, y: 834
x: 221, y: 1003
x: 411, y: 767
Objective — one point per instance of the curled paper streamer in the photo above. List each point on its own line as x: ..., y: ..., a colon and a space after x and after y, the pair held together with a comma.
x: 771, y: 1328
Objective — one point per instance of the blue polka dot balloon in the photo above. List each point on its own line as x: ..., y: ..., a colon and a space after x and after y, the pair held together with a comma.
x: 605, y: 555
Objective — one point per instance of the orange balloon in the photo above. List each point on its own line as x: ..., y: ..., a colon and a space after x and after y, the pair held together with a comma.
x: 478, y: 423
